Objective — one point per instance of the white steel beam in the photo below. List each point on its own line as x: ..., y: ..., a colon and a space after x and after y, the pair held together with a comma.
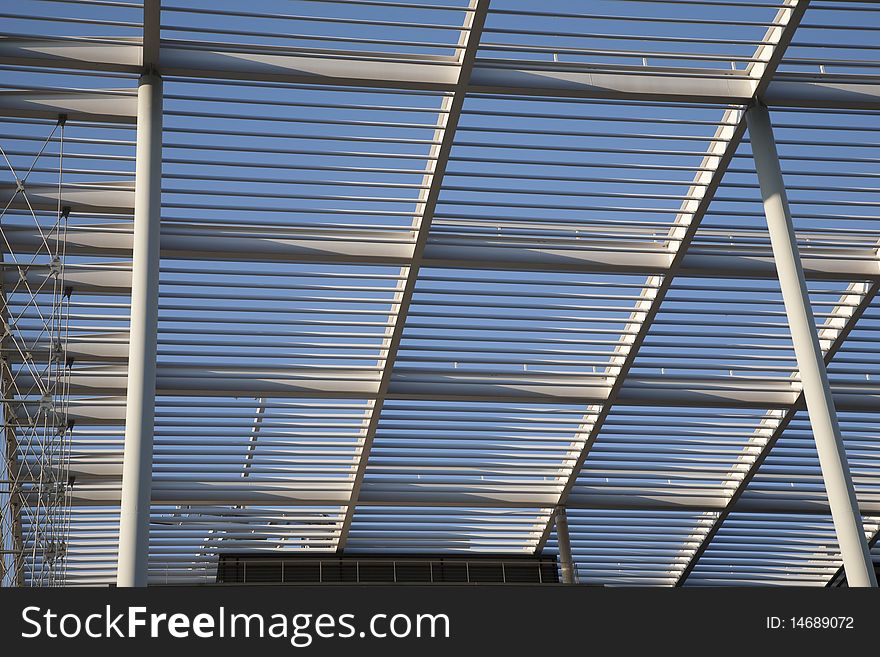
x: 98, y: 491
x: 151, y: 39
x: 444, y: 137
x: 816, y: 389
x: 103, y: 106
x: 104, y: 197
x: 872, y: 543
x: 134, y: 515
x: 786, y: 90
x: 713, y: 166
x: 248, y: 244
x: 612, y: 83
x: 198, y: 380
x: 779, y: 425
x: 821, y: 92
x: 563, y: 542
x: 87, y: 279
x: 438, y: 73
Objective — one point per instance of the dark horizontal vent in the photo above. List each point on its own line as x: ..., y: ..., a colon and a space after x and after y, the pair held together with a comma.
x: 283, y: 569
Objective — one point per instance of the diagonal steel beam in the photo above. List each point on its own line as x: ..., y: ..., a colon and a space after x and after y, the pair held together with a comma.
x: 450, y: 113
x: 840, y: 574
x: 653, y: 296
x: 723, y: 146
x: 788, y: 416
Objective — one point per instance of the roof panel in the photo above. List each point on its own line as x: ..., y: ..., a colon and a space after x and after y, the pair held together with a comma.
x: 572, y: 175
x: 321, y: 27
x: 274, y: 161
x: 688, y: 452
x: 186, y: 541
x: 626, y: 33
x: 118, y: 21
x: 631, y: 548
x: 836, y: 37
x: 481, y: 324
x: 792, y: 468
x: 432, y: 530
x: 771, y: 550
x: 509, y: 452
x: 828, y: 159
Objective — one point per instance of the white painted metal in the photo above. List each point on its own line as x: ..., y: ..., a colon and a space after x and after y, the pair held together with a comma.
x: 566, y: 565
x: 444, y: 135
x: 140, y: 404
x: 494, y: 481
x: 796, y: 90
x: 816, y: 390
x: 713, y: 166
x: 196, y: 243
x: 832, y: 338
x: 102, y: 491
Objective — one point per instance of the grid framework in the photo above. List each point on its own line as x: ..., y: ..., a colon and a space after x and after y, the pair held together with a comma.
x: 432, y: 274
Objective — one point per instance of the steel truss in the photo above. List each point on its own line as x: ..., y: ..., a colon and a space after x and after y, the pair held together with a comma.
x: 34, y: 516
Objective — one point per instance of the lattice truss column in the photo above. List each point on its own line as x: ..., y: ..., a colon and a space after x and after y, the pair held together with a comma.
x: 34, y: 515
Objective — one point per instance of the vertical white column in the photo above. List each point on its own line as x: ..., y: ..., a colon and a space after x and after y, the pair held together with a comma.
x: 814, y: 378
x: 566, y: 565
x: 134, y: 522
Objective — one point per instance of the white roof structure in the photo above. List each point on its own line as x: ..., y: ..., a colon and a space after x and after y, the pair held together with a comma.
x: 431, y: 271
